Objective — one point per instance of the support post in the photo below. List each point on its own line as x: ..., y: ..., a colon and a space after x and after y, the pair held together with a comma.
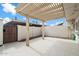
x: 42, y: 30
x: 27, y: 30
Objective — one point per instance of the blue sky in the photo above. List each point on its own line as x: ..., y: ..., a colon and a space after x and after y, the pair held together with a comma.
x: 4, y: 14
x: 6, y: 11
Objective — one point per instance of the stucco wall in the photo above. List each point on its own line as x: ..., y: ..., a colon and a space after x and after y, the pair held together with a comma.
x: 77, y: 29
x: 57, y: 31
x: 33, y: 32
x: 52, y: 31
x: 77, y: 24
x: 1, y: 32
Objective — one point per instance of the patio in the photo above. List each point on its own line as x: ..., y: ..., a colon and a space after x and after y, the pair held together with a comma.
x: 39, y: 47
x: 46, y: 12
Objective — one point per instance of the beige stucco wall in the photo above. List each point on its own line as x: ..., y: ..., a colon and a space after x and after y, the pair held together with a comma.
x: 21, y: 32
x: 77, y: 24
x: 57, y: 31
x: 53, y: 31
x: 1, y: 32
x: 77, y: 29
x: 33, y: 32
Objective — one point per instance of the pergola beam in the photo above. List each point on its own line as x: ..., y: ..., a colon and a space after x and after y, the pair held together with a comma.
x: 30, y: 16
x: 52, y: 16
x: 42, y: 11
x: 51, y: 11
x: 46, y: 8
x: 41, y: 6
x: 23, y: 5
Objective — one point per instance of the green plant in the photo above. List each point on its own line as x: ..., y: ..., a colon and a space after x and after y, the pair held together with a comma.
x: 73, y: 37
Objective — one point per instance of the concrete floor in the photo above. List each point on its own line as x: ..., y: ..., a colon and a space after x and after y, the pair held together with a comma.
x: 38, y: 47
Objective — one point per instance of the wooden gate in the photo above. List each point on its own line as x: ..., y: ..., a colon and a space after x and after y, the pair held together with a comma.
x: 9, y: 34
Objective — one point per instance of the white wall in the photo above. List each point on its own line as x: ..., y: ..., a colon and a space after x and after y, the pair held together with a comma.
x: 77, y: 29
x: 36, y: 31
x: 57, y: 31
x: 77, y: 24
x: 1, y: 32
x: 33, y: 32
x: 21, y: 32
x: 54, y: 31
